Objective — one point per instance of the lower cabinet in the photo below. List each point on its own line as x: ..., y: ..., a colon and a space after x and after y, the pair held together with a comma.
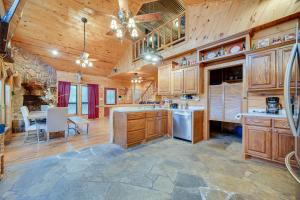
x: 267, y: 138
x: 283, y: 142
x: 156, y: 127
x: 258, y: 141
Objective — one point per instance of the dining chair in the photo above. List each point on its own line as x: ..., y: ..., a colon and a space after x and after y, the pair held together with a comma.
x: 28, y: 126
x: 57, y: 118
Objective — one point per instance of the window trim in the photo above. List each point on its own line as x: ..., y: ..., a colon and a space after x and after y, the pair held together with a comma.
x: 82, y: 102
x: 105, y: 92
x: 76, y: 103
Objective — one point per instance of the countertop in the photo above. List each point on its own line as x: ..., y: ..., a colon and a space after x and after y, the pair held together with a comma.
x: 267, y: 115
x: 150, y: 108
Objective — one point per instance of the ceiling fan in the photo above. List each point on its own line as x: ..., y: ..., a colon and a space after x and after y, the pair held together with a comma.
x: 124, y: 22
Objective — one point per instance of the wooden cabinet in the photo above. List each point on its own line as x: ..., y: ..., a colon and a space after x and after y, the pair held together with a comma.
x: 283, y: 55
x: 177, y: 82
x: 164, y: 80
x: 267, y: 138
x: 283, y: 143
x: 156, y: 125
x: 261, y: 70
x: 185, y: 81
x: 133, y: 128
x: 258, y: 141
x: 150, y: 127
x: 191, y: 80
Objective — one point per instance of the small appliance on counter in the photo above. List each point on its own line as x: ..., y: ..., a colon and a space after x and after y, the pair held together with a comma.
x: 174, y: 105
x: 273, y: 105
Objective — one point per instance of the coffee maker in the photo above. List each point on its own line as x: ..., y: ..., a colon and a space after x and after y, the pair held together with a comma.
x: 273, y: 105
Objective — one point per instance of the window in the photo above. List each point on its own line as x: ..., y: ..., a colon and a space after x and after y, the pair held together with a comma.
x: 110, y: 96
x: 72, y: 107
x: 84, y: 100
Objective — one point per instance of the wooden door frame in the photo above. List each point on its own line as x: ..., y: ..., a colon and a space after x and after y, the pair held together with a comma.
x: 207, y: 69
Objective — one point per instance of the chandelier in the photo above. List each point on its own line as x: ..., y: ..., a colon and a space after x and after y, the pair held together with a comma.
x: 84, y: 61
x: 136, y: 79
x: 151, y: 55
x: 124, y: 23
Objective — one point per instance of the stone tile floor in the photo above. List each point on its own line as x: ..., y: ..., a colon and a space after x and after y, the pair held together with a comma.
x: 162, y: 169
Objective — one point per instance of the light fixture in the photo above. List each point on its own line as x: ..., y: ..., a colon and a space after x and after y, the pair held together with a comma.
x: 136, y: 79
x: 152, y: 56
x: 54, y: 52
x: 84, y: 60
x: 134, y: 33
x: 124, y: 23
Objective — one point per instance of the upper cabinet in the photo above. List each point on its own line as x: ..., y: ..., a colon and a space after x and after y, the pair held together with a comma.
x: 191, y: 80
x: 283, y: 55
x: 177, y: 81
x: 261, y: 70
x: 164, y: 80
x: 185, y: 81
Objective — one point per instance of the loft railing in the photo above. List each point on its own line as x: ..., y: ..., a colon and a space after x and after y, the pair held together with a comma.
x: 166, y: 35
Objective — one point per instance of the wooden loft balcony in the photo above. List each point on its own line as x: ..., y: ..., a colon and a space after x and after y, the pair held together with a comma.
x: 161, y: 38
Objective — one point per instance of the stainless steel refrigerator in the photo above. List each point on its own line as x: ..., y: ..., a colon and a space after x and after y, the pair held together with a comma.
x: 292, y: 102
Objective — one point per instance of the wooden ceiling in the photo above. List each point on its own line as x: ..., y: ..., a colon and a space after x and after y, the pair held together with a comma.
x: 49, y: 25
x: 56, y: 24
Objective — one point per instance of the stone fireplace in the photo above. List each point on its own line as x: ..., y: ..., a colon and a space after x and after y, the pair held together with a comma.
x: 38, y: 82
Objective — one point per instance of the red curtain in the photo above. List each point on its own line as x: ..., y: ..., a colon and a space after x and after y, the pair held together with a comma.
x: 63, y: 93
x: 93, y: 93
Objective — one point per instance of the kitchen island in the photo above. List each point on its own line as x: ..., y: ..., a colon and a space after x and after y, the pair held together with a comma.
x: 138, y: 125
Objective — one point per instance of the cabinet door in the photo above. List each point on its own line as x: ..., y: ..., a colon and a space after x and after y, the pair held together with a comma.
x: 191, y: 80
x: 283, y: 143
x: 150, y: 127
x: 164, y: 80
x: 164, y: 126
x: 232, y: 101
x: 283, y: 59
x: 177, y: 82
x: 261, y: 70
x: 258, y: 141
x: 216, y: 102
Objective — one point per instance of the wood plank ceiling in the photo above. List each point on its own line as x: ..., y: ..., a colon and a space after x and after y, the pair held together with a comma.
x: 56, y: 24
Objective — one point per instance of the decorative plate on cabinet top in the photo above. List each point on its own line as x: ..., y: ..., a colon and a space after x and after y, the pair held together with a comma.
x: 235, y: 49
x: 211, y: 55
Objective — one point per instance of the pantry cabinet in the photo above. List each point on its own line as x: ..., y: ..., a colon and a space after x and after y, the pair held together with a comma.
x: 261, y: 70
x: 164, y: 80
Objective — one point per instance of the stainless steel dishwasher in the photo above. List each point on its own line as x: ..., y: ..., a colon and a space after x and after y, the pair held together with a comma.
x: 182, y: 124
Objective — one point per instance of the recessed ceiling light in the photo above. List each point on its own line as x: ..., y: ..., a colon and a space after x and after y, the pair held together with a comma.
x: 54, y: 52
